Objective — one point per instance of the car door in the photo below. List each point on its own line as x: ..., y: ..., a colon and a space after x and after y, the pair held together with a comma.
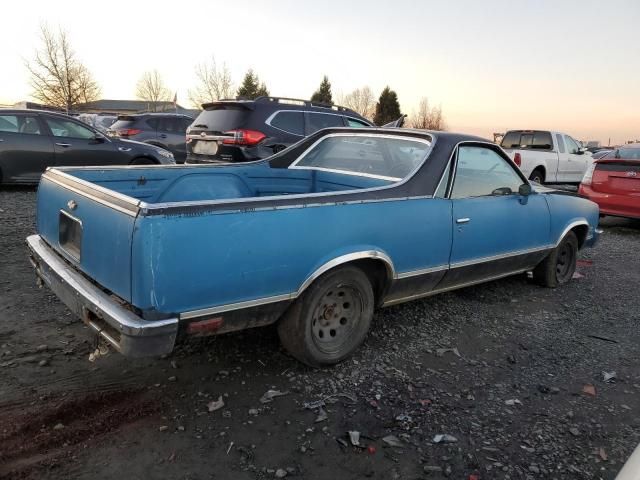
x: 26, y: 149
x: 577, y: 161
x: 171, y: 134
x: 496, y: 230
x: 76, y: 144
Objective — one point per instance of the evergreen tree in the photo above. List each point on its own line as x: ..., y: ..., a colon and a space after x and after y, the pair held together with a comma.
x: 387, y: 108
x: 251, y: 87
x: 323, y: 94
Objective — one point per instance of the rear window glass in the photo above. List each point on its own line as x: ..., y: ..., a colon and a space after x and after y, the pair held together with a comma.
x: 538, y: 140
x: 318, y: 121
x: 624, y: 154
x: 221, y: 119
x: 384, y: 158
x: 291, y: 122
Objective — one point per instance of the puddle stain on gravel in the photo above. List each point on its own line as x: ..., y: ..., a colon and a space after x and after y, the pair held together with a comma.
x: 46, y: 433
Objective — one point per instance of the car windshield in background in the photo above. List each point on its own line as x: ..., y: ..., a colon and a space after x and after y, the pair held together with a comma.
x: 624, y: 153
x: 221, y: 119
x: 387, y: 158
x: 537, y: 140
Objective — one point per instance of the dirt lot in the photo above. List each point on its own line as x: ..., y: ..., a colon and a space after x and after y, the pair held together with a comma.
x: 511, y: 395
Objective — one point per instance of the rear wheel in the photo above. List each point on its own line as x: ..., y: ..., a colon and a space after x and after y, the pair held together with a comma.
x: 560, y: 265
x: 537, y: 176
x: 142, y: 161
x: 330, y: 319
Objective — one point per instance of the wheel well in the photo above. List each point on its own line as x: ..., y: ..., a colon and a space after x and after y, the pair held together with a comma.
x: 378, y: 274
x: 134, y: 161
x: 581, y: 232
x: 541, y: 169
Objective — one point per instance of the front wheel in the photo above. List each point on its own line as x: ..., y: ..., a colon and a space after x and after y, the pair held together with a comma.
x: 560, y: 265
x: 330, y: 319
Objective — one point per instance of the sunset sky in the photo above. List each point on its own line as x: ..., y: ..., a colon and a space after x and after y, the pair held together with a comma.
x: 492, y: 65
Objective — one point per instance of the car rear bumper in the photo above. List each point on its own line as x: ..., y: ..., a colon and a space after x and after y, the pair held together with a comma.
x: 619, y: 205
x: 106, y: 315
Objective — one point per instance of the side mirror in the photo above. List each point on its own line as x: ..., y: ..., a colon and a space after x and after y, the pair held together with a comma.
x: 98, y: 139
x: 525, y: 190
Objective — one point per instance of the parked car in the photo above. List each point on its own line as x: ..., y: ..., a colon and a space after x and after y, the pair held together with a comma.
x: 245, y: 130
x: 313, y: 238
x: 613, y: 182
x: 546, y: 156
x: 100, y: 122
x: 164, y: 130
x: 31, y: 141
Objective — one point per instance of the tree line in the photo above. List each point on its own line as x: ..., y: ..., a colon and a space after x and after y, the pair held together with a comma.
x: 60, y: 79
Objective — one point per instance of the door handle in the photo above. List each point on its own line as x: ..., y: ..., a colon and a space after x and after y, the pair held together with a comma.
x: 463, y: 220
x: 64, y: 145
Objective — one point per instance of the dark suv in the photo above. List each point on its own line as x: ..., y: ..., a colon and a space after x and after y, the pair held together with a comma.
x: 165, y: 130
x: 245, y: 130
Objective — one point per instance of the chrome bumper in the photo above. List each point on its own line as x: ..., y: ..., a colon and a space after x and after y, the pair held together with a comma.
x: 124, y: 330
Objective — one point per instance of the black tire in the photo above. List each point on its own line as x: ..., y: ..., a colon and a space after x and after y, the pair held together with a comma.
x: 330, y: 320
x: 142, y: 161
x: 560, y: 265
x: 537, y: 176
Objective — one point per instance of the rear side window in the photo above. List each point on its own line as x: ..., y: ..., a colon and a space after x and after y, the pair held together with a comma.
x: 290, y: 122
x: 154, y: 123
x: 19, y: 124
x: 222, y: 119
x: 352, y: 122
x: 318, y: 121
x: 170, y: 124
x: 560, y: 143
x: 123, y: 124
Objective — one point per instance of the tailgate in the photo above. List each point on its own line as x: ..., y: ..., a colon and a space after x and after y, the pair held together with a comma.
x: 616, y: 177
x: 90, y: 226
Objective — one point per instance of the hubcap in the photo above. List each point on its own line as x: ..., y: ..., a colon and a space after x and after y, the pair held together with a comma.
x: 335, y: 317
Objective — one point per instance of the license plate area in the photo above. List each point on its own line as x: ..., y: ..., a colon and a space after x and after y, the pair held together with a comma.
x: 205, y: 147
x: 70, y: 234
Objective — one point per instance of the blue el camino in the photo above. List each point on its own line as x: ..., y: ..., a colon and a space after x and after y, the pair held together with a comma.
x: 313, y: 238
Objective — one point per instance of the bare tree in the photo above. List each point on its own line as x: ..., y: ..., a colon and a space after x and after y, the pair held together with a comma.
x: 213, y: 84
x: 427, y: 118
x: 58, y: 78
x: 151, y: 88
x: 360, y: 100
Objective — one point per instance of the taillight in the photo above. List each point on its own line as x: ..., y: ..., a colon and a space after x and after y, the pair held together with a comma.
x: 588, y: 175
x: 243, y: 137
x: 517, y: 159
x: 128, y: 132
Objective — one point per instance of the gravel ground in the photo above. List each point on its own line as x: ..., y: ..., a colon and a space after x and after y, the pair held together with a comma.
x: 511, y: 373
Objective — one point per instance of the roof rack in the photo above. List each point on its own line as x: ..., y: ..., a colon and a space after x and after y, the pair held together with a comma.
x: 298, y: 101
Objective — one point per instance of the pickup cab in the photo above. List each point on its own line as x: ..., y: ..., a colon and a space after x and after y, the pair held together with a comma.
x: 312, y: 238
x: 546, y: 156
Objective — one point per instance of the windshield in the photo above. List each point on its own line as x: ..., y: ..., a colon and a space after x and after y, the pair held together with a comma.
x: 387, y: 158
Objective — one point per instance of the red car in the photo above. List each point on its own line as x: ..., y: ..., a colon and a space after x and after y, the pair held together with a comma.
x: 613, y: 182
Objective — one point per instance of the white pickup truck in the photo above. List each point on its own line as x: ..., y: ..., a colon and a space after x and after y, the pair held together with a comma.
x: 546, y: 156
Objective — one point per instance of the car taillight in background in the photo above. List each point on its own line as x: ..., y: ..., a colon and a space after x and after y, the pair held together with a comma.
x: 517, y: 159
x: 127, y: 132
x: 243, y: 137
x: 588, y: 175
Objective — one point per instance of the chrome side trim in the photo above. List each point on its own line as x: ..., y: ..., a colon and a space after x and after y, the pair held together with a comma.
x: 372, y: 254
x: 350, y: 257
x: 493, y: 258
x: 109, y: 198
x: 570, y: 227
x: 422, y: 271
x: 454, y: 287
x: 236, y: 306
